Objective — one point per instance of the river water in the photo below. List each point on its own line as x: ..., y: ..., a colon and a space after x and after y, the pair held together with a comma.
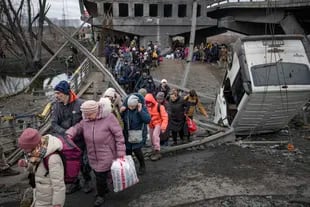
x: 10, y: 85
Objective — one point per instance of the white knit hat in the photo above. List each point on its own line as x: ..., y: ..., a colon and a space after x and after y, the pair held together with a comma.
x: 110, y: 92
x: 132, y: 100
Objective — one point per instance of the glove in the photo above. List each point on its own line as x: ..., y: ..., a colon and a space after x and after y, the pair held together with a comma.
x: 122, y: 109
x: 22, y: 163
x: 68, y: 136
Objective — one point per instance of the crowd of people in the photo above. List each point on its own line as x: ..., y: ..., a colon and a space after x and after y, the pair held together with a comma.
x: 103, y: 130
x: 130, y: 63
x: 205, y: 52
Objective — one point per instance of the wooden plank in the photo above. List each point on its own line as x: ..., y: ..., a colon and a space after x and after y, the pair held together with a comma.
x: 220, y: 137
x: 264, y: 142
x: 85, y: 88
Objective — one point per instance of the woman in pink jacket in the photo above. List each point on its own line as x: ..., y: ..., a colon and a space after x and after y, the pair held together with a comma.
x: 104, y: 141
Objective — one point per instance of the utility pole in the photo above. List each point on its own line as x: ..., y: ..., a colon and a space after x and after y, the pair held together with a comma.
x: 63, y: 14
x: 191, y: 43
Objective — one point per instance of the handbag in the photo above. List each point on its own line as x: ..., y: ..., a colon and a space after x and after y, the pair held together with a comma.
x: 192, y: 126
x: 134, y: 136
x: 123, y: 173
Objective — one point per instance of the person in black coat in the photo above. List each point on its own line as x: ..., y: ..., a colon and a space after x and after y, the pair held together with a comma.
x: 177, y: 121
x: 163, y: 87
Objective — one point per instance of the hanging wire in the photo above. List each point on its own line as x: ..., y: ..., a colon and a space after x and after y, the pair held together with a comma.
x: 278, y: 64
x: 268, y: 29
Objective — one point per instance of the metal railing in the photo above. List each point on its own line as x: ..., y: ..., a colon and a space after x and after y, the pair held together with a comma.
x: 217, y: 3
x: 81, y: 73
x: 12, y: 125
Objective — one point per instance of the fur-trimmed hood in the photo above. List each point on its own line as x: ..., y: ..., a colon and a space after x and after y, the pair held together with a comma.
x: 105, y: 107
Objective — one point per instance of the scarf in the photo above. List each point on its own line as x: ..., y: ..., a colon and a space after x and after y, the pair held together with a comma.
x: 38, y: 153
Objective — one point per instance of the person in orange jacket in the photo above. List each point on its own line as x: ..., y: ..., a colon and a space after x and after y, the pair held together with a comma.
x: 158, y: 124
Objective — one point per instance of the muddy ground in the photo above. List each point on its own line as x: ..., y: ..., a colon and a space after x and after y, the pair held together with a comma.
x: 230, y: 175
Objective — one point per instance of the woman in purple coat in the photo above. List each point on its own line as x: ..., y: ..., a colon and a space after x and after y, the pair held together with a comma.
x: 104, y: 141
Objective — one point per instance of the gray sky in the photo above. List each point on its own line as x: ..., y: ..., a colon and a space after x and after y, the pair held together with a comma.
x: 70, y: 8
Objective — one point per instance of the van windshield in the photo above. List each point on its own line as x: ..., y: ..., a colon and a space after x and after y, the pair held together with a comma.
x: 280, y: 74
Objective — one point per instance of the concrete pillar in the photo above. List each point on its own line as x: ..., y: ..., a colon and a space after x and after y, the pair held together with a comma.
x: 189, y: 9
x: 291, y: 26
x: 146, y: 9
x: 160, y: 10
x: 175, y: 10
x: 115, y: 9
x: 203, y: 11
x: 100, y: 8
x: 131, y: 9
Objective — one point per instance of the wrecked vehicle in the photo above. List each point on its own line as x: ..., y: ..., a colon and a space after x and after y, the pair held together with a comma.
x: 266, y: 85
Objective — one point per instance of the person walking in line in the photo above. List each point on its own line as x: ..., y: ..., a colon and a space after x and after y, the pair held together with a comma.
x: 116, y: 103
x: 50, y: 189
x: 142, y: 92
x: 115, y: 98
x: 66, y: 113
x: 104, y: 141
x: 135, y: 117
x: 177, y: 120
x: 163, y: 87
x: 158, y: 124
x: 192, y: 102
x: 164, y: 137
x: 5, y: 169
x: 160, y: 98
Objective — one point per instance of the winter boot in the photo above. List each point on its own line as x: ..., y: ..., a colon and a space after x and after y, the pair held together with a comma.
x: 141, y: 170
x: 99, y: 201
x: 87, y: 188
x: 72, y: 187
x: 140, y: 157
x: 156, y: 155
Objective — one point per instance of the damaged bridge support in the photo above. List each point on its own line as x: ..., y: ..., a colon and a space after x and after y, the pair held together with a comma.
x: 290, y: 25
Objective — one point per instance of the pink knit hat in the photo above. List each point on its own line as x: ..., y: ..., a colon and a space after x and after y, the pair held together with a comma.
x: 90, y: 107
x: 29, y: 139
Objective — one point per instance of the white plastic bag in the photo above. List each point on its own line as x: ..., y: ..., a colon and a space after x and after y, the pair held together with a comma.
x: 123, y: 173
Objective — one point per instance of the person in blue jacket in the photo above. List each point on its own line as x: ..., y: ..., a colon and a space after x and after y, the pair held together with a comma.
x: 135, y: 117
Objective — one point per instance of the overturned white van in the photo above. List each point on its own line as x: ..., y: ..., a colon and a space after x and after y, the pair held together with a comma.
x: 266, y: 85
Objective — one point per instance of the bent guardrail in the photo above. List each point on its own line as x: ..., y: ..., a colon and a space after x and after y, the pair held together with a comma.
x: 12, y: 125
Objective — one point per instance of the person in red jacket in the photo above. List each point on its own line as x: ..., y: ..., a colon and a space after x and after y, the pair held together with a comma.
x: 158, y: 124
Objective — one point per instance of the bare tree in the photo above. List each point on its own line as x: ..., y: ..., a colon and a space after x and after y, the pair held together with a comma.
x: 19, y: 38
